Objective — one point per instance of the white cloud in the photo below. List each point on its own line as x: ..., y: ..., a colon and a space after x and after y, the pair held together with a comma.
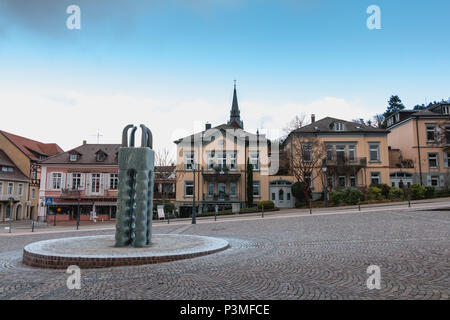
x: 69, y: 118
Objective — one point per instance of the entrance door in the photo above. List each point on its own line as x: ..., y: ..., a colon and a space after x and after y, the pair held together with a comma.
x: 281, y: 194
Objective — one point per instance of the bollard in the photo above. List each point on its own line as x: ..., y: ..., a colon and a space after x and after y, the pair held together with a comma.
x: 310, y: 207
x: 409, y: 200
x: 262, y: 211
x: 168, y: 217
x: 359, y: 204
x: 10, y: 224
x: 32, y: 226
x: 215, y: 212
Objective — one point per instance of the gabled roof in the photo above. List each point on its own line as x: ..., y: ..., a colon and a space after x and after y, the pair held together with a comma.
x: 15, y: 175
x: 324, y: 126
x: 31, y: 148
x: 87, y: 154
x: 207, y: 134
x: 426, y: 112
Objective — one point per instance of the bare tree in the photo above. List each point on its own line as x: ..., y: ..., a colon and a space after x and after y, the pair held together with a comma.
x: 296, y: 123
x: 305, y: 157
x: 378, y: 121
x: 163, y: 158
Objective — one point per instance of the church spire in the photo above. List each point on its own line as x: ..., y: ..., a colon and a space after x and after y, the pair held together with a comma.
x: 235, y: 114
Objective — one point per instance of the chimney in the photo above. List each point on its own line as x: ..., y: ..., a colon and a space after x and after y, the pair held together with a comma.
x: 84, y: 142
x: 207, y: 126
x: 313, y: 118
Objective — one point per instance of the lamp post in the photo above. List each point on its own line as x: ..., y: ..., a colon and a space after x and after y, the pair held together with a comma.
x: 78, y: 214
x: 194, y: 211
x: 325, y: 193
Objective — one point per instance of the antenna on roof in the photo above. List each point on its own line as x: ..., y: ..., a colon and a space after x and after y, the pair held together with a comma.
x: 98, y: 135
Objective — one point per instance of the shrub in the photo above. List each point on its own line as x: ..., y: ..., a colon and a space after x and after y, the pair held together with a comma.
x: 395, y: 193
x: 429, y: 192
x: 442, y: 193
x: 352, y: 196
x: 374, y: 193
x: 297, y: 192
x: 299, y: 204
x: 417, y: 192
x: 385, y: 190
x: 168, y: 207
x: 268, y: 204
x: 337, y: 197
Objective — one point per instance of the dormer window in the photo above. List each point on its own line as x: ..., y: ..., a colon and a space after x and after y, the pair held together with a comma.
x: 445, y: 110
x: 338, y: 126
x: 390, y: 121
x: 73, y: 157
x: 100, y: 156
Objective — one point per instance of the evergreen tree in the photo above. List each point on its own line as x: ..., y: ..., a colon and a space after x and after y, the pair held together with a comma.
x: 249, y: 184
x: 395, y: 104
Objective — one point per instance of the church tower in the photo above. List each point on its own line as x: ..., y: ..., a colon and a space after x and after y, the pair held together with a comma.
x: 235, y: 114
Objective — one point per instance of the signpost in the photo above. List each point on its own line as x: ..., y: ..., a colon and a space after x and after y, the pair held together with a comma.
x: 11, y: 204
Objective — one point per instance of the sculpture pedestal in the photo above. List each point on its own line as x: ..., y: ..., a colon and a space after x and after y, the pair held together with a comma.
x: 100, y: 252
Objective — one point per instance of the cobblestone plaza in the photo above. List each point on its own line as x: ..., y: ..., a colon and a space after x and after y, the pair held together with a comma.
x: 287, y: 255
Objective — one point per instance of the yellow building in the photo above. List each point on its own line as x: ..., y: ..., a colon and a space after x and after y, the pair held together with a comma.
x: 13, y: 186
x: 219, y: 156
x: 419, y: 144
x: 354, y: 155
x: 25, y: 154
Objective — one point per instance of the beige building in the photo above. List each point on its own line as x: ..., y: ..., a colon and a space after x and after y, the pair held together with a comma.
x: 13, y: 186
x: 419, y: 144
x: 355, y: 155
x: 220, y: 156
x: 25, y: 154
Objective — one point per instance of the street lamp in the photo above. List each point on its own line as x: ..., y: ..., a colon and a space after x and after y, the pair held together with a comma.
x: 325, y: 193
x: 194, y: 211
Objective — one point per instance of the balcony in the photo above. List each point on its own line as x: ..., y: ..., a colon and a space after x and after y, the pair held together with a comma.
x: 70, y: 193
x: 221, y: 174
x: 164, y: 195
x: 344, y: 161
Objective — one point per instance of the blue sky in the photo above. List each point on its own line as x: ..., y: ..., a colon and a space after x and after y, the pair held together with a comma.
x: 171, y: 64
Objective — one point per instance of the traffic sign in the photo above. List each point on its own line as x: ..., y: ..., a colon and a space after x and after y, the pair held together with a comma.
x: 48, y: 201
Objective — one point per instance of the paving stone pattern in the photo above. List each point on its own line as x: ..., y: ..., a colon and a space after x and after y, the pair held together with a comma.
x: 300, y: 257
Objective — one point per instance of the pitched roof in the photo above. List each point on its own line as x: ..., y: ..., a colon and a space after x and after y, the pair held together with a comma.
x: 426, y: 112
x: 32, y: 149
x: 87, y: 155
x: 325, y: 125
x: 207, y: 134
x: 15, y: 175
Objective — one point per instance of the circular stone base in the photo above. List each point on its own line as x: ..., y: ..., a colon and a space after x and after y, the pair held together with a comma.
x: 100, y: 252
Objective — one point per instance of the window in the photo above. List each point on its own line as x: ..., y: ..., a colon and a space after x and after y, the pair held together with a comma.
x: 210, y: 189
x: 222, y: 188
x: 95, y: 186
x: 431, y: 133
x: 210, y: 160
x: 256, y: 191
x: 232, y: 160
x: 447, y: 135
x: 375, y: 178
x: 397, y: 117
x: 435, y: 181
x: 374, y: 150
x: 445, y: 109
x: 341, y: 181
x: 307, y: 152
x: 254, y: 159
x: 390, y: 121
x: 221, y: 160
x: 7, y: 169
x: 20, y: 189
x: 330, y: 152
x: 56, y: 181
x: 188, y: 160
x: 351, y: 152
x: 339, y: 126
x: 188, y: 188
x: 233, y: 189
x: 433, y: 160
x: 113, y: 181
x: 34, y: 174
x: 76, y: 181
x: 352, y: 181
x: 33, y: 194
x: 288, y: 196
x: 100, y: 156
x: 447, y: 159
x: 10, y: 188
x: 73, y: 157
x: 1, y: 188
x: 273, y: 196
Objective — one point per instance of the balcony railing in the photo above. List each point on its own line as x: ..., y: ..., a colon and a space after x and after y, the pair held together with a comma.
x: 339, y: 161
x: 165, y: 195
x: 70, y: 193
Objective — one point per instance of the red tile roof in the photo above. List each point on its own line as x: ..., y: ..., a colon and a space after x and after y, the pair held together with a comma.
x: 32, y: 148
x: 16, y: 174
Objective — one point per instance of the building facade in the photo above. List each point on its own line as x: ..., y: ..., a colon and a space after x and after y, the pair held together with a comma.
x: 86, y: 179
x: 25, y: 154
x: 354, y: 154
x: 419, y: 144
x: 212, y: 166
x: 13, y: 185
